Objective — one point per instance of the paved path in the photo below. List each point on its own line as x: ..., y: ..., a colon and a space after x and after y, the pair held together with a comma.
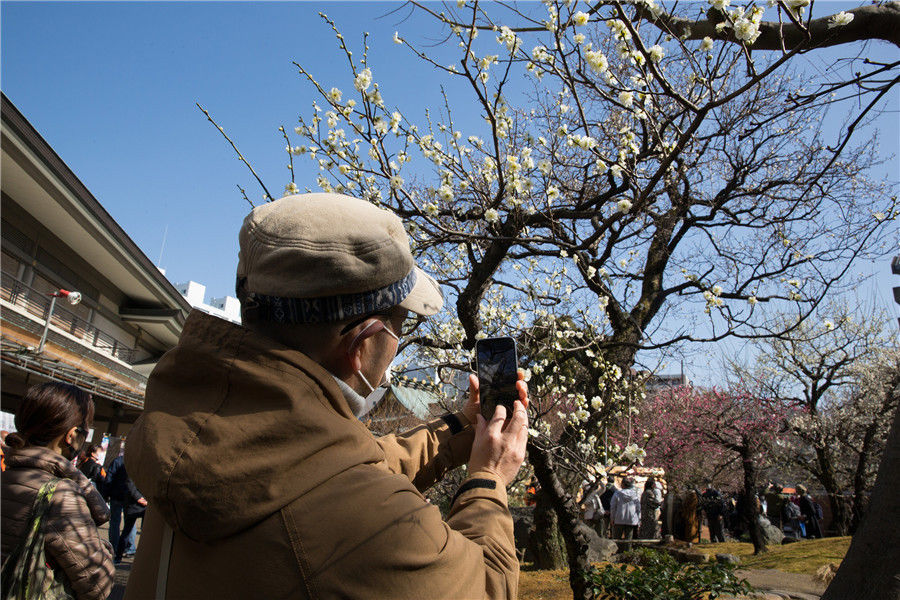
x: 779, y: 584
x: 124, y: 567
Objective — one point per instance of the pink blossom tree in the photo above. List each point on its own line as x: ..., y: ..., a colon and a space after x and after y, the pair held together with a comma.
x: 694, y: 433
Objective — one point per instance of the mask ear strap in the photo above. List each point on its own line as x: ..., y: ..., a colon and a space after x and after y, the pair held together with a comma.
x: 365, y: 333
x: 365, y: 381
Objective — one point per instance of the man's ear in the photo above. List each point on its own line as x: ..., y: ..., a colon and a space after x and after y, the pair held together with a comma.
x: 355, y: 339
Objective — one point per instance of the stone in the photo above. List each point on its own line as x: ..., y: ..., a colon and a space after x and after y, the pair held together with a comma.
x: 728, y: 559
x: 689, y: 556
x: 771, y: 535
x: 696, y: 557
x: 523, y: 525
x: 599, y: 549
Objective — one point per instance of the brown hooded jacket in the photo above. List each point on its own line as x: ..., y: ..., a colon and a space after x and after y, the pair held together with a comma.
x: 263, y: 484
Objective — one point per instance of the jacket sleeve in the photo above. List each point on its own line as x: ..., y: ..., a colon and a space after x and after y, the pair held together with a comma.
x: 133, y: 491
x: 479, y: 512
x: 410, y: 550
x: 427, y: 451
x: 74, y: 543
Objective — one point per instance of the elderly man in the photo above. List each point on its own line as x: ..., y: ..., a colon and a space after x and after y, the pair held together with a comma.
x: 262, y: 481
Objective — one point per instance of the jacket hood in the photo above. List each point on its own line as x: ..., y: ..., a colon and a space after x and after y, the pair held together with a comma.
x: 632, y: 492
x: 235, y: 427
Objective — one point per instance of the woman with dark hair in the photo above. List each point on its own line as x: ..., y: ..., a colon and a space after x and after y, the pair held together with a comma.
x: 52, y: 424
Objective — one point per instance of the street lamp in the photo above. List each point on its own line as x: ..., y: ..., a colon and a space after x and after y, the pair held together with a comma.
x: 72, y: 297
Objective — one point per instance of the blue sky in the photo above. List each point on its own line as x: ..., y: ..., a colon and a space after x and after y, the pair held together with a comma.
x: 112, y: 87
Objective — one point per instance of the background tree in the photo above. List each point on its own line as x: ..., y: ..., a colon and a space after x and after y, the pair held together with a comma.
x: 657, y: 189
x: 734, y: 431
x: 831, y: 369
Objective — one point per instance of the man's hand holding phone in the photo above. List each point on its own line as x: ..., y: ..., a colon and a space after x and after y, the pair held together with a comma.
x: 499, y: 445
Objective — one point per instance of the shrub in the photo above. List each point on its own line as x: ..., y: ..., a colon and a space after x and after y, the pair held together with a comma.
x: 661, y: 577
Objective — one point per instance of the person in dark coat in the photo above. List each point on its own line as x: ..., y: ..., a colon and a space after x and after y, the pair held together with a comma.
x: 135, y: 506
x: 713, y: 506
x: 809, y: 513
x: 605, y: 502
x: 91, y: 466
x: 115, y: 488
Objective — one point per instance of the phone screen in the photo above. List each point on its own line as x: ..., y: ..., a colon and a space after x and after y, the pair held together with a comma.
x: 497, y: 374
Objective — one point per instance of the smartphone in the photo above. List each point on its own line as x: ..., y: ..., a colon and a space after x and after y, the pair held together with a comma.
x: 497, y: 366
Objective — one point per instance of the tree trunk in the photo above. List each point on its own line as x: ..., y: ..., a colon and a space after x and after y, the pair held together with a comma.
x: 547, y: 546
x: 840, y: 516
x: 871, y: 569
x: 569, y: 520
x: 840, y: 513
x: 749, y: 505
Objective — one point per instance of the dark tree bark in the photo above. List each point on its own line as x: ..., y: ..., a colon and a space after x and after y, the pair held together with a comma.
x: 749, y: 504
x: 875, y: 22
x: 569, y: 523
x: 548, y: 545
x: 871, y: 569
x: 840, y: 516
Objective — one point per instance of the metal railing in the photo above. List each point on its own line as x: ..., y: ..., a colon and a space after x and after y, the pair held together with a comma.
x: 35, y: 303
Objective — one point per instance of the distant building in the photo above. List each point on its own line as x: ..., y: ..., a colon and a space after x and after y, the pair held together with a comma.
x: 226, y: 307
x: 657, y: 383
x: 57, y: 236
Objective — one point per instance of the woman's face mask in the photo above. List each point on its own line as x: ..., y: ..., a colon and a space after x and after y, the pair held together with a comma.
x: 70, y: 451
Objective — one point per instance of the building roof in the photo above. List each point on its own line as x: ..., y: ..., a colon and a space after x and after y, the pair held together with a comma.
x: 56, y: 198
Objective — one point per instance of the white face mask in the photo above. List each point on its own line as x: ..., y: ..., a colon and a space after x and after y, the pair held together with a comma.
x: 375, y: 393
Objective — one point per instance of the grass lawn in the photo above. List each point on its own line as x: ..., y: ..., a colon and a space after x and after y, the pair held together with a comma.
x: 801, y: 557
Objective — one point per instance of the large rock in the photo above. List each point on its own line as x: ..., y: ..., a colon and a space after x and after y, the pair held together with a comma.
x: 599, y: 549
x: 523, y: 526
x: 727, y: 559
x: 771, y: 535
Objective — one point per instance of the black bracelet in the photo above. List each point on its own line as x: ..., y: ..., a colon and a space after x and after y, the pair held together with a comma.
x: 488, y: 484
x: 453, y: 423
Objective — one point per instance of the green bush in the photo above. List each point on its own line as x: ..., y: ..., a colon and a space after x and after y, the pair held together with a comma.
x: 660, y: 577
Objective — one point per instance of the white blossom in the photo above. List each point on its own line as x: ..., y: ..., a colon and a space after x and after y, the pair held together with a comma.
x: 746, y: 30
x: 656, y: 53
x: 446, y: 193
x: 552, y: 193
x: 580, y: 18
x: 491, y: 215
x: 363, y: 80
x: 840, y: 19
x: 623, y: 205
x: 596, y: 60
x: 626, y: 98
x: 706, y: 44
x: 633, y: 453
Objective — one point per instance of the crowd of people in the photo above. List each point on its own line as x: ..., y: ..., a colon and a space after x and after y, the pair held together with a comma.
x: 624, y: 513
